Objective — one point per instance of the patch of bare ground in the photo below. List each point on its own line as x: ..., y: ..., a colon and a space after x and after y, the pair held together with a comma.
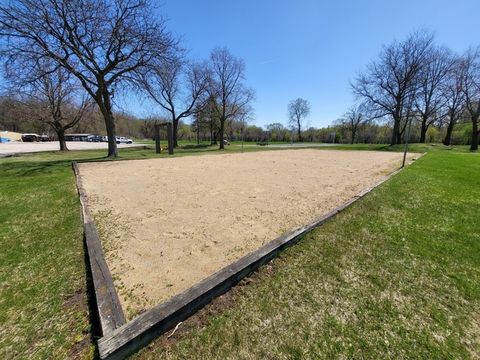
x: 77, y: 303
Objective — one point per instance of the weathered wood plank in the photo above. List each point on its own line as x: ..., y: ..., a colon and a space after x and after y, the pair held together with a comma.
x: 144, y: 328
x: 109, y: 310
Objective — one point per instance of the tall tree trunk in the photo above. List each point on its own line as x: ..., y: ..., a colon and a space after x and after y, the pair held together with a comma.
x: 474, y: 145
x: 402, y: 131
x: 105, y: 105
x: 395, y: 131
x: 111, y: 132
x: 175, y: 131
x: 222, y: 129
x: 448, y: 136
x: 352, y: 139
x: 299, y: 131
x: 399, y: 137
x: 61, y: 139
x: 423, y: 130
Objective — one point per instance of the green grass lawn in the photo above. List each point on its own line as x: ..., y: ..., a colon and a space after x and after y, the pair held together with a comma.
x: 395, y: 275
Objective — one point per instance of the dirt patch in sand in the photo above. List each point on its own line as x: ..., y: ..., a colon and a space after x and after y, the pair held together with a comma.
x: 168, y: 223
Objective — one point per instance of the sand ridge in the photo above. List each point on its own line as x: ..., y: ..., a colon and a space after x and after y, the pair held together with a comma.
x: 168, y: 223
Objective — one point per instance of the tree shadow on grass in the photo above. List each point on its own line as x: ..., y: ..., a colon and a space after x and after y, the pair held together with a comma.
x: 12, y: 169
x: 195, y: 146
x: 95, y: 329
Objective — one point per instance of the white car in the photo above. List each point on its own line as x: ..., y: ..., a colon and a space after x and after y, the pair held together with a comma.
x: 123, y: 140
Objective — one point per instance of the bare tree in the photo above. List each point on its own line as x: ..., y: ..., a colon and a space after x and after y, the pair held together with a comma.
x: 471, y: 90
x: 61, y: 111
x: 298, y: 110
x: 430, y: 102
x: 231, y: 99
x: 389, y: 83
x: 53, y: 96
x: 177, y: 86
x: 101, y: 42
x: 353, y: 119
x: 452, y: 90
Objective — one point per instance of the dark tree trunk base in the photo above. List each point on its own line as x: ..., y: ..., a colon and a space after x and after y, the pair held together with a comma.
x: 61, y: 137
x: 475, y: 133
x: 448, y: 136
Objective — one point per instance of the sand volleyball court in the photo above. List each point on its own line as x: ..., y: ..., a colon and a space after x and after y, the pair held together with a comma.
x: 167, y: 223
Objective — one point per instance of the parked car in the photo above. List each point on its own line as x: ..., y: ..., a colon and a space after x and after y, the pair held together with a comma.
x: 44, y: 138
x: 95, y: 138
x: 30, y: 137
x: 123, y: 140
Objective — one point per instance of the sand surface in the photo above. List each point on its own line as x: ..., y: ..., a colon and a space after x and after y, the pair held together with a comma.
x: 166, y: 224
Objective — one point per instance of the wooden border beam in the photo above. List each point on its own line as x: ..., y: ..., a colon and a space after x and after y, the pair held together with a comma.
x: 109, y: 310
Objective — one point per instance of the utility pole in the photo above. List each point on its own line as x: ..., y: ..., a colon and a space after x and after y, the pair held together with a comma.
x: 243, y: 131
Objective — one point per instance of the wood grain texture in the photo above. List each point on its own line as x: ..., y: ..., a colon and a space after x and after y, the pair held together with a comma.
x: 109, y: 310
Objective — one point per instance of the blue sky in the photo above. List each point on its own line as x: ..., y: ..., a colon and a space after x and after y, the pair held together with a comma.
x: 307, y: 48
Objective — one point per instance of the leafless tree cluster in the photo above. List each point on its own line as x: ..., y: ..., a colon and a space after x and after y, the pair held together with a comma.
x: 231, y: 99
x: 52, y: 96
x: 105, y: 44
x: 355, y: 117
x: 417, y: 80
x: 390, y: 84
x: 108, y: 45
x: 470, y: 75
x: 226, y: 98
x: 178, y: 87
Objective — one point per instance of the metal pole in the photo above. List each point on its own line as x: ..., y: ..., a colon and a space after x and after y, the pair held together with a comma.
x: 242, y: 133
x: 157, y: 138
x: 407, y: 137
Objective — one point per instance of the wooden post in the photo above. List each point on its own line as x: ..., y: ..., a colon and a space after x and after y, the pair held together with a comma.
x: 157, y: 138
x: 170, y: 138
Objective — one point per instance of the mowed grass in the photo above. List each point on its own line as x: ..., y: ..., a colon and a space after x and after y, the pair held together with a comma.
x: 44, y: 309
x: 396, y: 275
x: 43, y: 303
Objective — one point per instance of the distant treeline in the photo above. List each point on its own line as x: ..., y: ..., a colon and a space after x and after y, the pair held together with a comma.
x: 18, y: 116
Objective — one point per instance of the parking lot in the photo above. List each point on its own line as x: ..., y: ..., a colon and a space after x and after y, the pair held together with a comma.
x: 11, y: 148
